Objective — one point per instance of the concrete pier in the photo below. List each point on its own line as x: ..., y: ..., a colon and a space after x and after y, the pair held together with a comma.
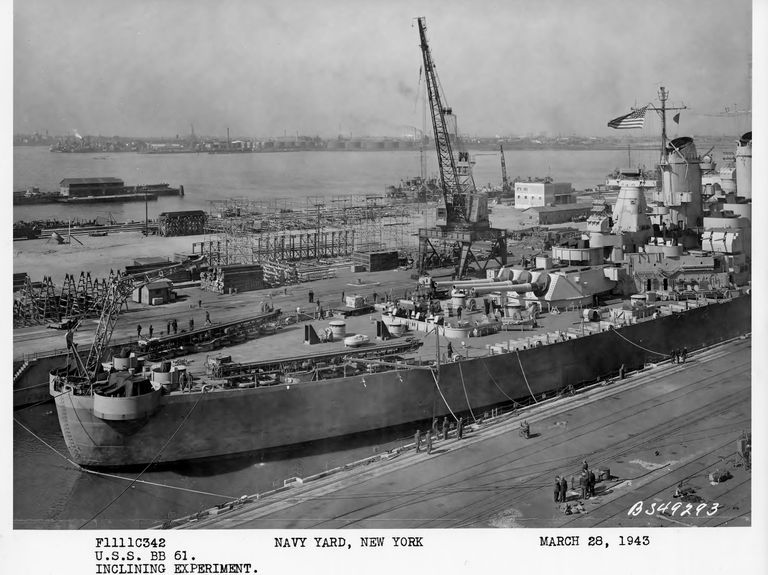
x: 668, y: 424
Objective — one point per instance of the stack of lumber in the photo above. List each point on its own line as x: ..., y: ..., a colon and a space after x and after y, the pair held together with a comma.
x: 233, y: 278
x: 279, y: 273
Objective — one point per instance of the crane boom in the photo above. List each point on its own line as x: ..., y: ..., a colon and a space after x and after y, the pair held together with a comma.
x: 504, y: 179
x: 449, y: 176
x: 120, y: 289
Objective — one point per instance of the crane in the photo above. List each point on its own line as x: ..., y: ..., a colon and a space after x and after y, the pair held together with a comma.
x: 119, y: 290
x: 505, y: 187
x: 464, y: 217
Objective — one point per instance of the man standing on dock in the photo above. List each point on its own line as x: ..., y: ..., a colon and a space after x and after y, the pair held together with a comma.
x: 429, y: 442
x: 311, y: 296
x: 460, y: 429
x: 151, y: 331
x: 445, y: 428
x: 684, y: 354
x: 138, y: 331
x: 417, y: 440
x: 558, y: 490
x: 175, y: 326
x: 191, y: 324
x: 207, y: 317
x: 563, y: 489
x: 342, y: 296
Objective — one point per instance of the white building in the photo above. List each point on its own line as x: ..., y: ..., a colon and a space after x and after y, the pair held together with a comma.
x: 540, y: 194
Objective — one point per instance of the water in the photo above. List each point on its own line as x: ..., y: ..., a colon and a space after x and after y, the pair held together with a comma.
x: 49, y: 492
x: 291, y: 175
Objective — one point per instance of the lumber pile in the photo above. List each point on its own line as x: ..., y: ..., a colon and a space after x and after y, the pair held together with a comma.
x: 233, y: 278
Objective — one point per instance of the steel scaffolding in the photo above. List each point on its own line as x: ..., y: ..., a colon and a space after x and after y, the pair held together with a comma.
x: 245, y: 231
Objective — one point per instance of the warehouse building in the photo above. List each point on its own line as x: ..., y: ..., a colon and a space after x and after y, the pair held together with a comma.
x: 544, y: 193
x: 87, y: 187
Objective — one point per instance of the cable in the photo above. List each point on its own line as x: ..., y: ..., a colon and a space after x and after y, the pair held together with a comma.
x: 441, y: 395
x: 524, y: 377
x: 496, y: 384
x: 461, y: 373
x: 108, y: 505
x: 636, y: 345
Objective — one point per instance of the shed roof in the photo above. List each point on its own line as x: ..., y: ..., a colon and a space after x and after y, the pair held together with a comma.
x: 70, y: 181
x: 160, y: 283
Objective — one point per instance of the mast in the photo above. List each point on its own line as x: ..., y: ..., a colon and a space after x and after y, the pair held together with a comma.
x: 663, y: 95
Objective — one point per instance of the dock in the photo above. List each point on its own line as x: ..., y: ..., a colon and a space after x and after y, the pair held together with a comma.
x: 667, y: 426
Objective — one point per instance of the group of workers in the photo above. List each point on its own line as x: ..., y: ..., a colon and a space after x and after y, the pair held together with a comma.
x: 679, y: 355
x: 434, y: 430
x: 587, y: 481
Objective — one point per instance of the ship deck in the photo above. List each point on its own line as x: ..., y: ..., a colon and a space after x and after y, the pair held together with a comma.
x: 659, y: 427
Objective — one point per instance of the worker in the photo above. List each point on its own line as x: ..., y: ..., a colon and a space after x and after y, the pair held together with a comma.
x: 375, y: 297
x: 199, y: 303
x: 175, y: 326
x: 342, y: 297
x: 138, y: 331
x: 525, y: 429
x: 592, y: 481
x: 151, y: 331
x: 168, y: 327
x: 622, y: 372
x: 298, y: 312
x: 558, y: 491
x: 417, y: 440
x: 684, y: 354
x: 449, y: 350
x: 445, y: 428
x: 191, y: 324
x: 583, y: 484
x: 311, y: 296
x: 458, y: 312
x: 207, y: 317
x: 584, y: 465
x: 429, y: 443
x: 563, y: 489
x: 434, y: 426
x: 460, y: 428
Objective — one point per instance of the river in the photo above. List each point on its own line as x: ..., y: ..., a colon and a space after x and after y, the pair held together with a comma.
x: 49, y: 492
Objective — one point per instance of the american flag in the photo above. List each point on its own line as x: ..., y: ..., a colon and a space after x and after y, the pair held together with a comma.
x: 634, y: 119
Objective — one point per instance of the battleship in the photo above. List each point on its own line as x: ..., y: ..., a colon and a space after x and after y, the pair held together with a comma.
x: 666, y: 269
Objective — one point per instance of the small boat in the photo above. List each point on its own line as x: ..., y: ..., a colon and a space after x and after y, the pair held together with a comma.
x: 356, y: 340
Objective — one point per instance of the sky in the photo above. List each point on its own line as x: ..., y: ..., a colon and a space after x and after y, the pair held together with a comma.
x: 274, y: 68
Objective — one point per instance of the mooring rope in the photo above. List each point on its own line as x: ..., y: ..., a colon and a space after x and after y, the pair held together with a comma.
x: 92, y: 472
x: 637, y: 345
x: 524, y: 377
x: 159, y: 453
x: 48, y: 445
x: 496, y: 384
x: 441, y: 395
x: 461, y: 373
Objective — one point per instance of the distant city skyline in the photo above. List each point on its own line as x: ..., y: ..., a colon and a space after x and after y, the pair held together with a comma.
x: 268, y: 68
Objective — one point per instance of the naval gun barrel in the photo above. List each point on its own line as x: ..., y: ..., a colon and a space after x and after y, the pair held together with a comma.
x: 497, y: 286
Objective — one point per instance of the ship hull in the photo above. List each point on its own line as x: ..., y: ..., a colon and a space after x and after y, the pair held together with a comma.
x: 226, y: 422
